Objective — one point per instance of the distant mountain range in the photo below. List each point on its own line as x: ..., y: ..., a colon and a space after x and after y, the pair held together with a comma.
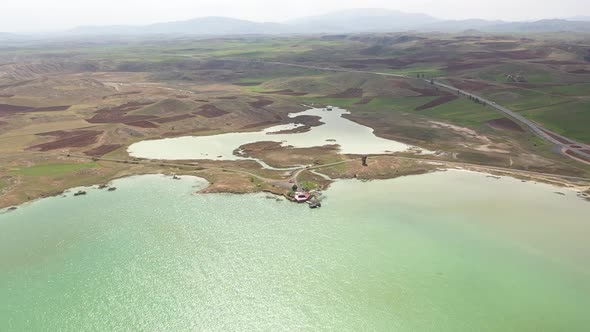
x: 200, y: 26
x: 348, y: 21
x: 8, y: 36
x: 360, y: 20
x: 579, y: 18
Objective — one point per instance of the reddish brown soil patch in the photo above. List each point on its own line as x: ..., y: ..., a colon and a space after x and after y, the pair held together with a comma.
x: 364, y: 101
x: 51, y: 109
x: 558, y: 63
x: 586, y: 151
x: 246, y: 83
x: 184, y: 133
x: 438, y: 101
x: 288, y: 92
x: 68, y: 139
x: 469, y: 85
x: 102, y: 150
x: 174, y: 118
x: 580, y: 71
x: 349, y: 93
x: 261, y: 103
x: 521, y: 54
x: 470, y: 65
x: 130, y: 106
x: 2, y: 123
x: 6, y: 109
x: 211, y: 111
x: 261, y: 124
x: 576, y: 155
x: 122, y: 94
x: 401, y: 84
x: 142, y: 124
x: 480, y: 55
x: 505, y: 124
x: 119, y: 114
x: 439, y: 42
x: 429, y: 92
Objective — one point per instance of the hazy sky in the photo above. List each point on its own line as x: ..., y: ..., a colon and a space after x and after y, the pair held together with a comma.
x: 43, y: 15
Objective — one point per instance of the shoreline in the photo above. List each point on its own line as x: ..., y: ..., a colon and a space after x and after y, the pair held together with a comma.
x: 581, y: 191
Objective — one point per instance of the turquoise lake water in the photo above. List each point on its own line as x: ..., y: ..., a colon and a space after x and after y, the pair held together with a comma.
x: 450, y: 251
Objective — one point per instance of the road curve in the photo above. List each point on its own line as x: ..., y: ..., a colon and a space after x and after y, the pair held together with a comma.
x: 578, y: 151
x: 563, y: 143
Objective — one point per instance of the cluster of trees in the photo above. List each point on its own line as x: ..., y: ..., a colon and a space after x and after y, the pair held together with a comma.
x: 515, y: 78
x: 477, y: 100
x: 423, y: 76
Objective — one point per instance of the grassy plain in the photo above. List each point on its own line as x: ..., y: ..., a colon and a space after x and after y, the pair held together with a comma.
x: 53, y: 169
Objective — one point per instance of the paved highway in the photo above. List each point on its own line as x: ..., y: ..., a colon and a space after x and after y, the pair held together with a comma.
x: 563, y: 143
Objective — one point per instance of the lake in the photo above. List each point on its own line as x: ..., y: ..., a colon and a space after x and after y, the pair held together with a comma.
x: 448, y: 251
x: 352, y: 137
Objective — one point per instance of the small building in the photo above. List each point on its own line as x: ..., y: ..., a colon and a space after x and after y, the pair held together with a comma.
x: 302, y: 197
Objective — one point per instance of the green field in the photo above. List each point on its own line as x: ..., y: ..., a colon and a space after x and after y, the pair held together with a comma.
x: 531, y: 72
x: 339, y: 102
x: 579, y: 89
x: 53, y: 169
x: 404, y: 104
x: 429, y: 71
x: 462, y: 111
x: 523, y: 100
x: 571, y: 119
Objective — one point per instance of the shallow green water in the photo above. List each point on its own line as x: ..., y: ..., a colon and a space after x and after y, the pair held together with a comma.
x: 451, y: 251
